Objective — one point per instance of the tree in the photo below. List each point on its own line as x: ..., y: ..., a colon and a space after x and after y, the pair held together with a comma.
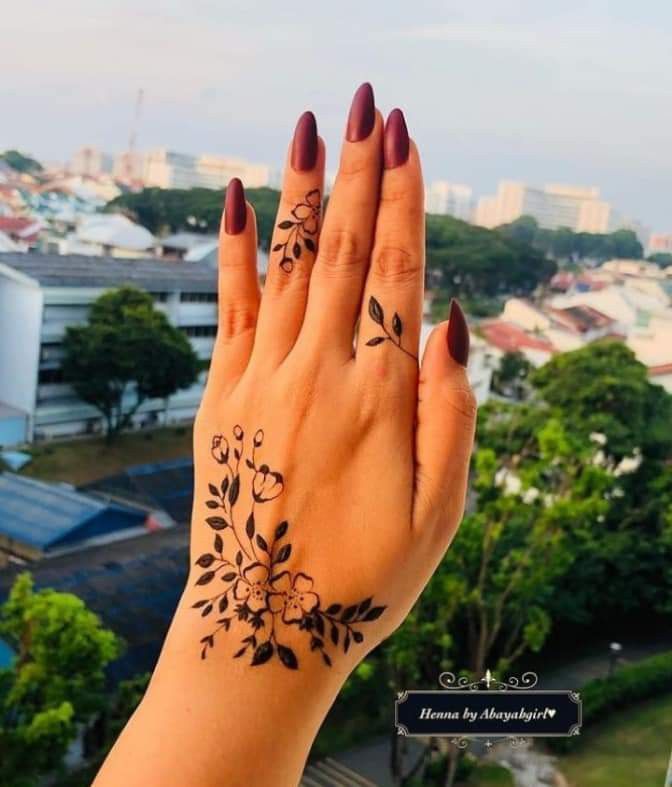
x: 511, y: 374
x: 126, y: 354
x: 20, y: 162
x: 663, y: 259
x: 56, y: 681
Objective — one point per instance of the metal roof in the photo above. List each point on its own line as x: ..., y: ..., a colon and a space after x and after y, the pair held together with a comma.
x: 42, y: 514
x: 78, y: 270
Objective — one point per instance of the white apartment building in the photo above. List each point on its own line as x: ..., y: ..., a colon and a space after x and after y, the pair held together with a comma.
x: 449, y: 199
x: 170, y: 170
x: 553, y: 206
x: 660, y: 243
x: 41, y: 295
x: 91, y: 162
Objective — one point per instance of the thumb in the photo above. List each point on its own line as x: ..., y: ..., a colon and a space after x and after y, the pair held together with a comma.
x: 445, y: 427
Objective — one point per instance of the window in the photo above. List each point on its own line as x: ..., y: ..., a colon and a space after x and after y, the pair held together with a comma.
x: 159, y: 297
x: 198, y: 297
x: 200, y: 331
x: 50, y: 376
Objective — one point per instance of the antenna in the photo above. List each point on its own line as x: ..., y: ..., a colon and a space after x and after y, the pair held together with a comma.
x: 129, y: 163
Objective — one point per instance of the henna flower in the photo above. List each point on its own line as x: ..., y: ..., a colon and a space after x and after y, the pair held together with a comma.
x: 220, y: 449
x: 308, y: 213
x: 252, y: 588
x: 266, y: 485
x: 294, y: 599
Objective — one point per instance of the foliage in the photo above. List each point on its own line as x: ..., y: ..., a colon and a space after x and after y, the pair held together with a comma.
x: 565, y: 244
x: 127, y: 353
x: 510, y: 376
x: 56, y: 681
x: 194, y: 210
x: 473, y: 262
x: 663, y: 259
x: 20, y: 162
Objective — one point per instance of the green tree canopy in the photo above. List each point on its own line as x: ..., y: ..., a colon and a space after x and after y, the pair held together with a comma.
x: 20, y: 162
x: 55, y: 682
x: 127, y: 353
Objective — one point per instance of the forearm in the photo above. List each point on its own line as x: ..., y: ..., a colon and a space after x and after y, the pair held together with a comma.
x: 220, y: 721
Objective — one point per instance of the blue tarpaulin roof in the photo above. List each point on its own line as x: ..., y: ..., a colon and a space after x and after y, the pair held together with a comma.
x: 43, y: 514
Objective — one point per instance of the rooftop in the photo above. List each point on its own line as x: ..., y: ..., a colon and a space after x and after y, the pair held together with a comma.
x: 45, y: 515
x: 76, y: 270
x: 509, y: 337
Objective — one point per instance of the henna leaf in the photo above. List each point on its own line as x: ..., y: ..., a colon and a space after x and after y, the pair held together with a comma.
x: 208, y: 640
x: 200, y: 603
x: 358, y: 636
x: 374, y: 613
x: 261, y: 543
x: 206, y: 611
x: 223, y: 603
x: 334, y: 634
x: 219, y: 544
x: 346, y: 642
x: 326, y: 659
x: 309, y: 244
x: 334, y: 609
x: 239, y: 558
x: 217, y: 522
x: 285, y: 225
x: 249, y: 527
x: 281, y: 529
x: 277, y: 247
x: 397, y: 325
x: 213, y: 490
x: 375, y: 341
x: 349, y: 613
x: 234, y: 490
x: 376, y: 311
x: 205, y: 561
x: 212, y: 503
x: 263, y: 653
x: 225, y: 486
x: 229, y: 577
x: 205, y: 578
x: 284, y: 554
x: 364, y: 605
x: 287, y: 657
x: 296, y: 250
x: 315, y: 643
x: 319, y: 625
x: 239, y: 653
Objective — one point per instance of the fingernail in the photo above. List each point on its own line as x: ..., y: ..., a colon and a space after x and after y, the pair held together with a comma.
x: 362, y: 115
x: 235, y: 209
x: 458, y: 334
x: 395, y: 140
x: 304, y: 147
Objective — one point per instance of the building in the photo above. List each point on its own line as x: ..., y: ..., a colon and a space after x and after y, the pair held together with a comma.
x: 42, y: 294
x: 39, y: 518
x: 503, y: 337
x: 91, y: 162
x: 660, y: 243
x: 109, y: 234
x: 449, y: 199
x: 178, y: 245
x: 553, y: 206
x: 168, y: 169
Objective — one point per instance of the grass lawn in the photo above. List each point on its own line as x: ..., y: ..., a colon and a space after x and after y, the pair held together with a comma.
x: 81, y: 461
x: 632, y: 747
x: 490, y: 775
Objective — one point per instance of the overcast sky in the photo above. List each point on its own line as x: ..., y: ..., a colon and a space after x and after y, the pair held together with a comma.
x: 575, y: 92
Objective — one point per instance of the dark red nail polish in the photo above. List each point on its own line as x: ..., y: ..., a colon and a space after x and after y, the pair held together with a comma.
x: 235, y: 209
x: 362, y: 115
x: 458, y: 334
x: 395, y: 140
x: 304, y: 147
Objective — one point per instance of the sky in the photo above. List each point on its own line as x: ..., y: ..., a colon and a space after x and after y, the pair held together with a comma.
x: 544, y: 92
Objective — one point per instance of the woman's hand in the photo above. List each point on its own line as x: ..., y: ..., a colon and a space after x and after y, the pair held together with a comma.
x: 330, y: 469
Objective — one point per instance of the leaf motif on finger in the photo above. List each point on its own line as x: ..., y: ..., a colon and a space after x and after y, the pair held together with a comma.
x: 305, y: 222
x: 377, y: 314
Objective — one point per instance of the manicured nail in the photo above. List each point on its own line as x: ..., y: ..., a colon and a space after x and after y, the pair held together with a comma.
x: 235, y: 209
x: 458, y: 334
x: 395, y: 140
x: 362, y: 115
x: 304, y: 147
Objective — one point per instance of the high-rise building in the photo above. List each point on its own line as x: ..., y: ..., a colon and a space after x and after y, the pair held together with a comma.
x: 553, y: 206
x: 449, y: 199
x: 91, y: 162
x: 660, y: 243
x: 171, y: 170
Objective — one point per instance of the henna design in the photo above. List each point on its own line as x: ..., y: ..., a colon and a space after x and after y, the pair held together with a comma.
x: 306, y: 222
x: 258, y: 592
x: 378, y: 316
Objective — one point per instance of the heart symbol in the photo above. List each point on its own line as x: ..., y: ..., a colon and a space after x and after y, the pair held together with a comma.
x: 551, y: 712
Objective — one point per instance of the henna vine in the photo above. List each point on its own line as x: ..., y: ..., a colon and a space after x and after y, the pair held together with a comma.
x: 306, y: 221
x: 257, y: 591
x: 378, y: 316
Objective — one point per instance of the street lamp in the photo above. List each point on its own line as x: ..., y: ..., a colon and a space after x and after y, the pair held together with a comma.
x: 614, y: 650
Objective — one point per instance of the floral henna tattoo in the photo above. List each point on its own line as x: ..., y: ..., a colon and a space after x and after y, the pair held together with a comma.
x: 378, y: 316
x: 257, y: 591
x: 302, y: 230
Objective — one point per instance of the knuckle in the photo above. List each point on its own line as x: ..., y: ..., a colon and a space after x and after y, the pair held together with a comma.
x: 462, y: 401
x: 340, y: 251
x: 352, y: 166
x: 397, y: 264
x: 236, y: 319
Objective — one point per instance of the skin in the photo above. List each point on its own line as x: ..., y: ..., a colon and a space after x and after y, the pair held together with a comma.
x: 374, y: 451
